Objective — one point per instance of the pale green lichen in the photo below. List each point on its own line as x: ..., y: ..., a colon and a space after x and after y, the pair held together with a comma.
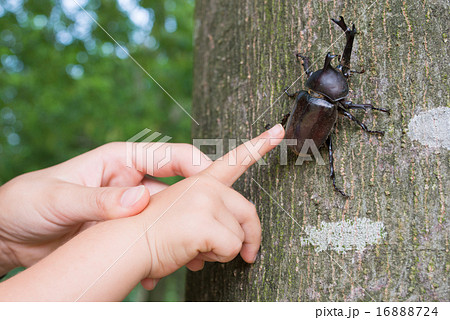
x: 344, y: 235
x: 431, y: 128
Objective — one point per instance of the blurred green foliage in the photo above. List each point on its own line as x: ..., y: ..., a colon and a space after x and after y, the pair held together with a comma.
x: 66, y: 87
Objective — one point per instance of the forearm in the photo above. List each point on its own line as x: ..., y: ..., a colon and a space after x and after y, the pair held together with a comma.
x: 103, y: 263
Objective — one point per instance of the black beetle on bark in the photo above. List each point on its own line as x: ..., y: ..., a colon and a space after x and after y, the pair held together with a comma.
x: 315, y: 111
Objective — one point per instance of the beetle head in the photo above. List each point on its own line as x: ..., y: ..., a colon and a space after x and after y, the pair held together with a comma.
x: 328, y: 81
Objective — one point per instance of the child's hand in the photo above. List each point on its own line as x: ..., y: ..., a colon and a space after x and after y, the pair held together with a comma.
x: 202, y: 218
x: 198, y: 219
x: 41, y: 210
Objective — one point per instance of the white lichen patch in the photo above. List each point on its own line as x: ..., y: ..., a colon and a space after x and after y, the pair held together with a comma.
x: 431, y: 128
x: 344, y: 235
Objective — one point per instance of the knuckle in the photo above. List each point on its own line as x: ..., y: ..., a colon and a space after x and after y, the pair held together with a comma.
x: 52, y: 196
x: 202, y: 241
x: 204, y: 198
x: 230, y: 251
x: 191, y: 149
x: 206, y: 179
x: 197, y: 152
x: 187, y: 146
x: 241, y: 235
x: 252, y: 213
x: 209, y: 183
x: 111, y: 146
x: 252, y: 208
x: 197, y: 229
x: 99, y: 200
x: 187, y: 149
x: 234, y: 248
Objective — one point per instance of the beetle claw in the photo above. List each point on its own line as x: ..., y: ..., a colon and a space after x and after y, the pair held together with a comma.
x: 290, y: 95
x: 383, y: 110
x: 351, y: 72
x: 343, y: 193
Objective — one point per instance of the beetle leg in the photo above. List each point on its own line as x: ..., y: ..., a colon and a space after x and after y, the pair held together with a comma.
x: 282, y: 122
x: 330, y: 157
x: 350, y: 72
x: 364, y: 106
x: 344, y: 64
x: 290, y: 95
x: 359, y: 123
x: 285, y: 119
x: 306, y: 64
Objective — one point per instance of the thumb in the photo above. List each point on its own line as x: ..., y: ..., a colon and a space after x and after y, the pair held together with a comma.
x: 81, y: 204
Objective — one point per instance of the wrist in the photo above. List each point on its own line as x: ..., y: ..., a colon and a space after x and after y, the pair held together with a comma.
x: 7, y: 258
x: 141, y: 224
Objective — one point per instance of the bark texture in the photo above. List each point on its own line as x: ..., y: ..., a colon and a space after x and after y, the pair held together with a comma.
x: 245, y: 56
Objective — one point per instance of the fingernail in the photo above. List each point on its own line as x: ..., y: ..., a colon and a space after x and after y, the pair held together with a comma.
x: 276, y: 130
x: 131, y: 196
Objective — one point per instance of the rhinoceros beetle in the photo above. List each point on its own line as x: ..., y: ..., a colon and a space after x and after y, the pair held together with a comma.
x: 315, y: 111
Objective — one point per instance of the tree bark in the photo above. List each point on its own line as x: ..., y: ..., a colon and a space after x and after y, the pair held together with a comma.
x: 399, y: 183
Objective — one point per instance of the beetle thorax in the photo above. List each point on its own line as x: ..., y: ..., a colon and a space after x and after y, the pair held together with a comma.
x: 328, y: 81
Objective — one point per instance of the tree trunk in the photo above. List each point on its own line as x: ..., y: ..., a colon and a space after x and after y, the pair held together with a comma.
x: 389, y: 240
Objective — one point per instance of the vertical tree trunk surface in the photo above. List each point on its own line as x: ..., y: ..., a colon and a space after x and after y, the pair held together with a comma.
x: 389, y: 241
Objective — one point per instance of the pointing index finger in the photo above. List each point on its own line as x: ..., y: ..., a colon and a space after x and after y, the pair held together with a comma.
x: 231, y: 166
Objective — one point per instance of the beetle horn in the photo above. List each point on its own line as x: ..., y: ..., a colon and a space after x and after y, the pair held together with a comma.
x: 341, y: 23
x: 328, y: 59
